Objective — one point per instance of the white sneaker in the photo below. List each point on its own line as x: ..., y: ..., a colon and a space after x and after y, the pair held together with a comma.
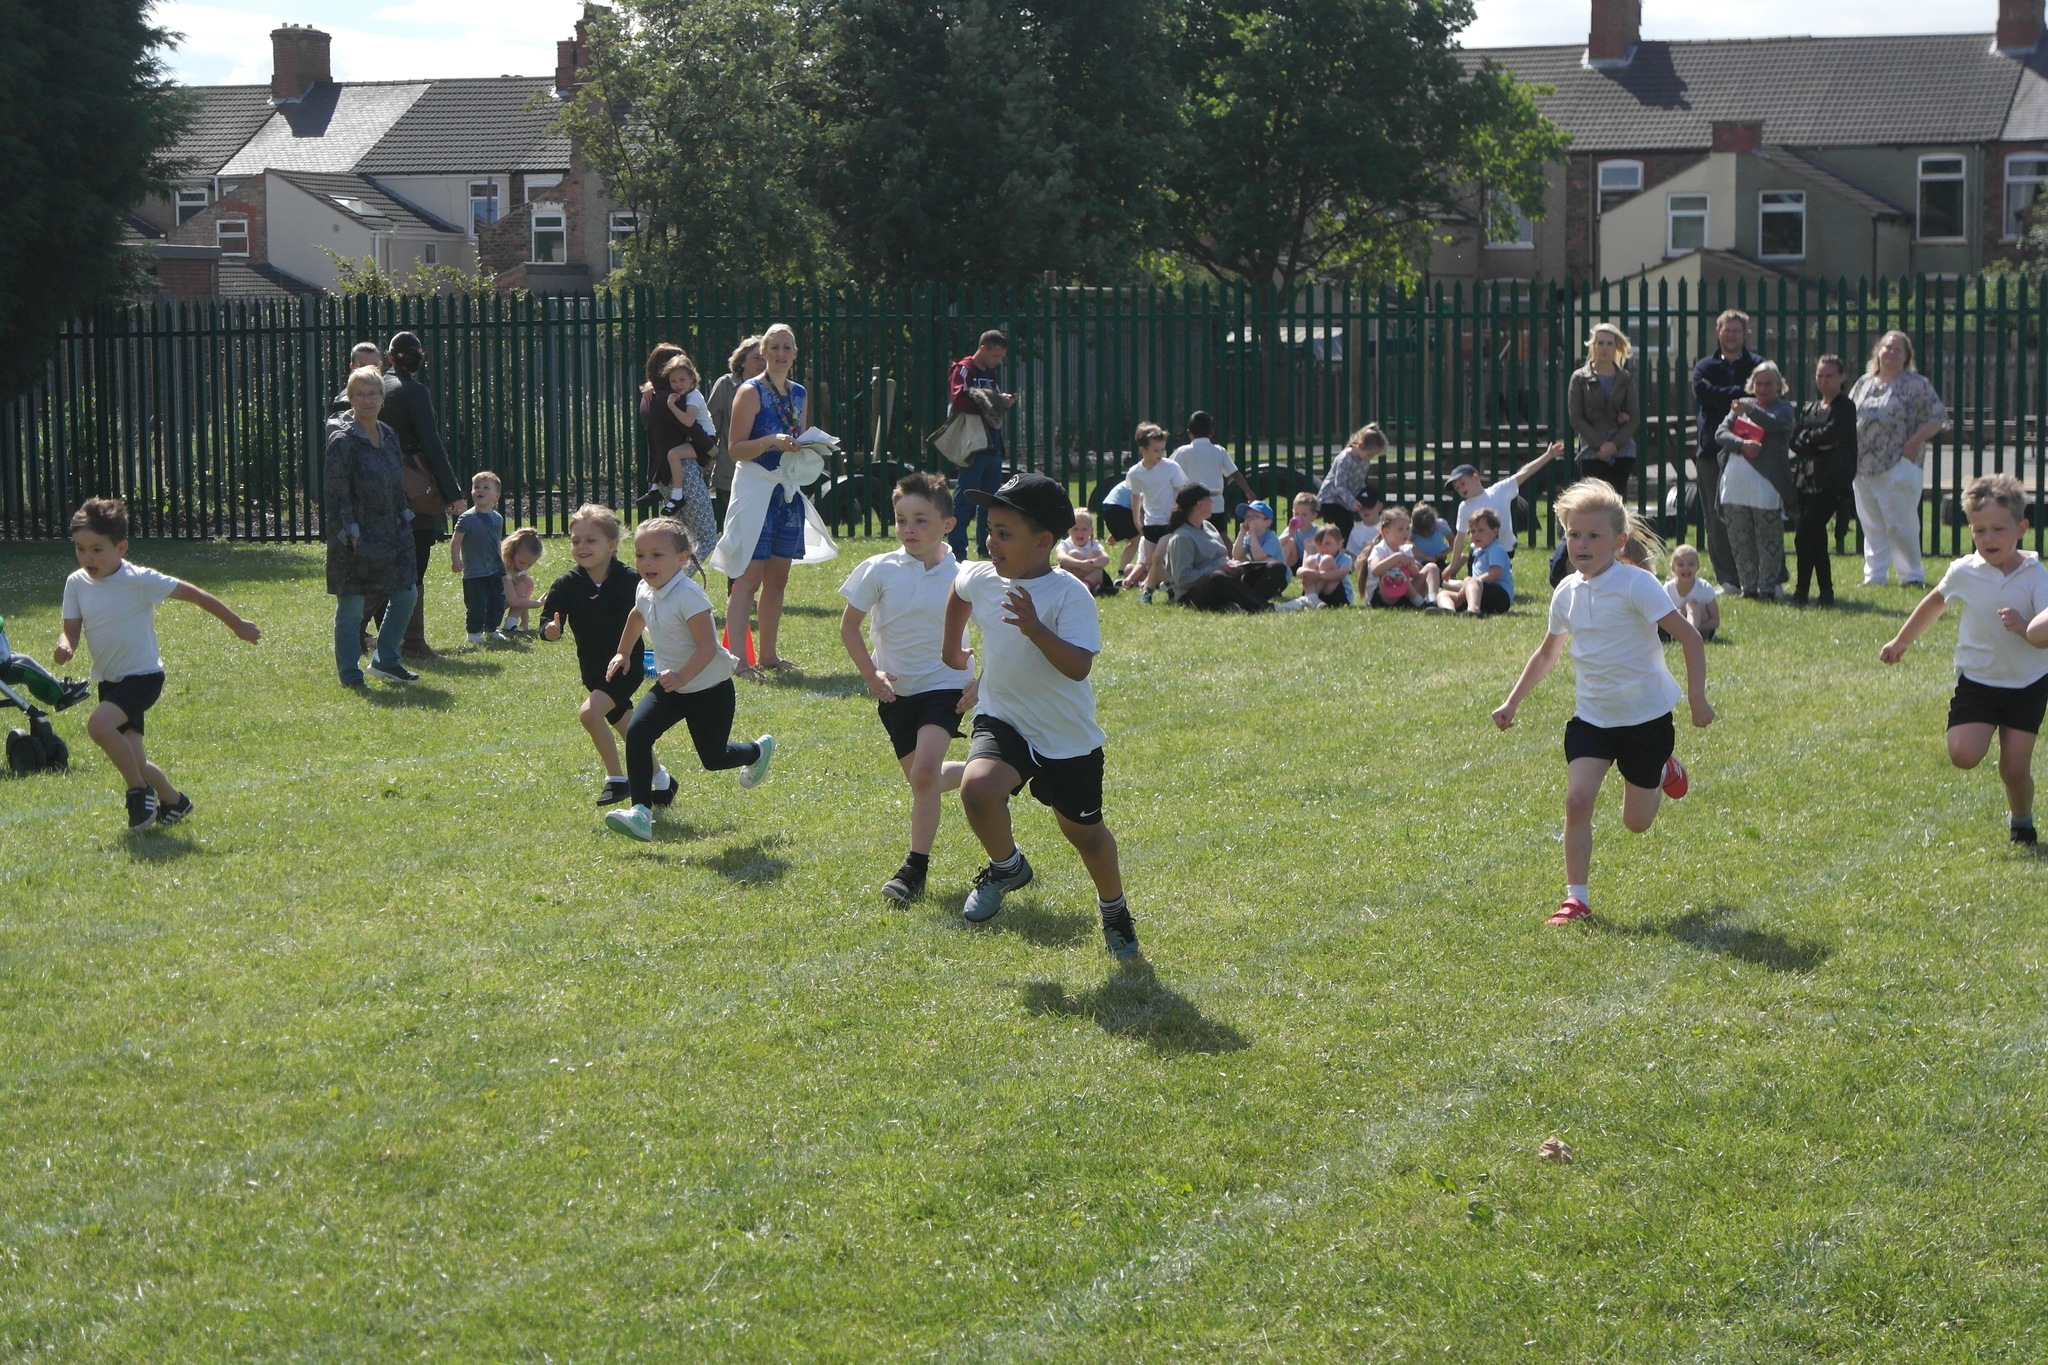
x: 755, y: 773
x: 476, y: 637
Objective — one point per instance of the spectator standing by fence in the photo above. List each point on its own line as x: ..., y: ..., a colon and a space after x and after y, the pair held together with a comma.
x: 409, y: 412
x: 745, y: 363
x: 969, y: 376
x: 1897, y: 412
x: 1824, y: 470
x: 361, y: 354
x: 1601, y: 400
x: 1717, y: 381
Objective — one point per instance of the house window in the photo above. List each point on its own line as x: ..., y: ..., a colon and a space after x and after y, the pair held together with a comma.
x: 1781, y: 224
x: 536, y: 183
x: 550, y: 238
x: 1685, y: 223
x: 620, y: 227
x: 483, y: 204
x: 2024, y: 176
x: 191, y: 203
x: 1941, y: 198
x: 430, y: 254
x: 232, y: 236
x: 1506, y: 225
x: 1619, y: 182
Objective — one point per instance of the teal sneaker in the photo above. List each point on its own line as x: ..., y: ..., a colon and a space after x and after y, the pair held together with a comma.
x: 1120, y: 936
x: 637, y: 823
x: 755, y: 773
x: 990, y: 886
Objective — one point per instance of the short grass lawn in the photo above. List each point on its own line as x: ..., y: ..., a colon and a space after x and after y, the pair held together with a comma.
x: 394, y: 1052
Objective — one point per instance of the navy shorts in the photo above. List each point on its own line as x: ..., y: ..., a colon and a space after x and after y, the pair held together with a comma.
x: 1638, y: 750
x: 782, y: 529
x: 905, y: 716
x: 1119, y: 522
x: 1975, y: 703
x: 1071, y: 786
x: 134, y: 694
x: 1493, y: 599
x: 1155, y: 534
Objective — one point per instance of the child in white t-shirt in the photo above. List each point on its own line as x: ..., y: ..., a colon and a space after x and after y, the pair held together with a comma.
x: 902, y: 596
x: 114, y: 604
x: 1083, y: 556
x: 1612, y: 612
x: 693, y: 675
x: 1692, y: 595
x: 1210, y: 465
x: 1154, y: 480
x: 2001, y: 644
x: 1036, y: 721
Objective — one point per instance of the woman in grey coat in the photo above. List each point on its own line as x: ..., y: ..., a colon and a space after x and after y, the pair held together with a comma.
x: 1757, y: 494
x: 1601, y: 401
x: 368, y: 523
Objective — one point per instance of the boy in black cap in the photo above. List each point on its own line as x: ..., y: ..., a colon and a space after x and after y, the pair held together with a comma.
x: 1036, y: 722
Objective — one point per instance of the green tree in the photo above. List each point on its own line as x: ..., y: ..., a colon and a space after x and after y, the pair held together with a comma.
x: 1319, y: 137
x: 359, y: 277
x: 86, y: 120
x: 691, y: 114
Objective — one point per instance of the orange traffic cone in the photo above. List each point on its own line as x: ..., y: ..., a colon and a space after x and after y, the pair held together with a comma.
x: 746, y: 653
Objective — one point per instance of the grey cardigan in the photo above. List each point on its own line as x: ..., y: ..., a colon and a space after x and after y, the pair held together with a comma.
x: 1596, y: 416
x: 1775, y: 463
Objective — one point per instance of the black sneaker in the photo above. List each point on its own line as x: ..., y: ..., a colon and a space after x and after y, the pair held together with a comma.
x: 615, y: 790
x: 171, y: 815
x: 2024, y: 834
x: 141, y: 808
x: 1120, y: 935
x: 394, y: 673
x: 664, y: 796
x: 906, y: 886
x: 75, y: 691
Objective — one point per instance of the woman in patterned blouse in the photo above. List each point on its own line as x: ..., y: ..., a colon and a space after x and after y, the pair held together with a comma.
x: 1897, y: 412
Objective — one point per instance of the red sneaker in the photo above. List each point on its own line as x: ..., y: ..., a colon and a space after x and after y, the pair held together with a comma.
x: 1571, y: 909
x: 1675, y: 782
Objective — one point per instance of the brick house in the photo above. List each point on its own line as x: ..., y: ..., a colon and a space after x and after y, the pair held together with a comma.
x: 281, y: 179
x: 1811, y: 158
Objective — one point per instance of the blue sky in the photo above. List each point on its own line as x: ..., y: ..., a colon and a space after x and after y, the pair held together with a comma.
x: 228, y: 41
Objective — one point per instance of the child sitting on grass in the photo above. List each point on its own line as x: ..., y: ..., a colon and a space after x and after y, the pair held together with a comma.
x: 1489, y: 588
x: 903, y: 595
x: 1257, y: 543
x: 2001, y: 643
x: 1429, y: 540
x: 1299, y: 542
x: 1392, y: 576
x: 693, y: 675
x: 1082, y: 555
x: 1692, y: 595
x: 1039, y: 637
x: 521, y: 551
x: 1325, y: 573
x: 473, y: 555
x: 114, y: 603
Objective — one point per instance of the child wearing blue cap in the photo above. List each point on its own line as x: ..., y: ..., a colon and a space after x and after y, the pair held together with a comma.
x: 1257, y: 542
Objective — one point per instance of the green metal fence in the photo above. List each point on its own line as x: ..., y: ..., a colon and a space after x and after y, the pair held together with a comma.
x: 208, y: 418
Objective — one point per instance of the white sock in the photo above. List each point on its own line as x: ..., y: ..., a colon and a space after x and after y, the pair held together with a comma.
x: 662, y: 781
x: 615, y: 777
x: 1578, y: 893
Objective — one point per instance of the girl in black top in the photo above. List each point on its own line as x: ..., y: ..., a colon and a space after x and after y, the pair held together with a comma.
x: 594, y: 599
x: 1824, y: 471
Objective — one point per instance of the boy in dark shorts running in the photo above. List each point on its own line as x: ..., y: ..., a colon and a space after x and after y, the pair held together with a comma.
x: 1036, y: 721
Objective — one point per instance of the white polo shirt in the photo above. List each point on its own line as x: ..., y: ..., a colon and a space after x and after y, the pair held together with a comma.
x: 1702, y: 594
x: 1501, y: 498
x: 1156, y: 486
x: 906, y: 607
x: 1208, y: 464
x: 1612, y: 618
x: 119, y: 612
x: 668, y: 610
x: 1986, y: 652
x: 1019, y: 685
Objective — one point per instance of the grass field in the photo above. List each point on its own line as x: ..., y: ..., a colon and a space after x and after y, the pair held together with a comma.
x: 394, y: 1052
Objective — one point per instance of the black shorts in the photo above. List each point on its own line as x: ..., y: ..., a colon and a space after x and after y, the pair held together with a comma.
x: 1119, y: 522
x: 1975, y: 703
x: 1638, y: 750
x: 1493, y: 599
x: 619, y: 689
x: 1155, y: 534
x: 134, y: 694
x: 1071, y: 786
x: 905, y: 716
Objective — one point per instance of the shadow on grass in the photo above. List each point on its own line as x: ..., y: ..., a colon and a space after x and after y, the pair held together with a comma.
x: 158, y: 846
x: 751, y: 863
x: 1029, y: 920
x: 408, y: 696
x: 1712, y: 931
x: 1135, y: 1003
x: 824, y: 684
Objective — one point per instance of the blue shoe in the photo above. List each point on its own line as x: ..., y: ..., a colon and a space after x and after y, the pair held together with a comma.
x: 1120, y: 936
x: 755, y: 773
x: 990, y: 886
x: 637, y: 823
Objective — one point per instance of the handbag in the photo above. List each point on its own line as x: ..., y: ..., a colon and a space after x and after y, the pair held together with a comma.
x: 419, y: 487
x: 963, y: 437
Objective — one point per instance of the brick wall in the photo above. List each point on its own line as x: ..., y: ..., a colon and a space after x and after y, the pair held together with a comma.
x: 504, y: 247
x: 184, y: 279
x: 243, y: 199
x: 1581, y: 224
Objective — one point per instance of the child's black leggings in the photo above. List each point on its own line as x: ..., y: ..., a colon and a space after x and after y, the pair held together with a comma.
x: 708, y: 714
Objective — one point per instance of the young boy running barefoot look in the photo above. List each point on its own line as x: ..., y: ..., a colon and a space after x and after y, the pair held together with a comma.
x: 693, y: 682
x: 1036, y: 722
x: 2001, y: 665
x: 114, y: 603
x: 1612, y: 612
x: 902, y: 595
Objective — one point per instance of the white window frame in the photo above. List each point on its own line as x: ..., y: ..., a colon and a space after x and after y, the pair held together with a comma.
x: 430, y: 254
x: 1601, y: 189
x: 1672, y: 213
x: 558, y: 220
x: 536, y: 183
x: 190, y: 203
x: 1501, y: 209
x: 1790, y: 203
x: 2031, y: 182
x: 619, y: 225
x: 493, y: 198
x: 1958, y: 177
x: 220, y: 236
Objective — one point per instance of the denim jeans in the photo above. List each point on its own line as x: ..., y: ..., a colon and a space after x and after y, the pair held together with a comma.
x: 483, y: 603
x: 984, y: 472
x: 348, y: 632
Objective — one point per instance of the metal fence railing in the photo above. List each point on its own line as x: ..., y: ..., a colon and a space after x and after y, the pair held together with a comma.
x: 208, y: 417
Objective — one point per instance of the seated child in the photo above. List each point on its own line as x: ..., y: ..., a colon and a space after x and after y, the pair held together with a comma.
x: 1430, y: 538
x: 1082, y: 555
x: 1301, y: 531
x: 1365, y: 531
x: 18, y: 670
x: 521, y: 551
x: 1325, y: 572
x: 1392, y: 576
x: 1257, y: 543
x: 1489, y: 588
x: 1691, y: 595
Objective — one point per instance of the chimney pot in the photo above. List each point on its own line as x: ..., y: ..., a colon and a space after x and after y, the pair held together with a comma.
x: 2019, y: 25
x: 299, y: 59
x: 1736, y: 136
x: 1617, y: 28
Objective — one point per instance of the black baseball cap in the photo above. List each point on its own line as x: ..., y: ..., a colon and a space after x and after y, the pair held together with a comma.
x: 1039, y: 500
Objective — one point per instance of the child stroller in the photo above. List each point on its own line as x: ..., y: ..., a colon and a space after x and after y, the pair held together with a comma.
x: 37, y: 748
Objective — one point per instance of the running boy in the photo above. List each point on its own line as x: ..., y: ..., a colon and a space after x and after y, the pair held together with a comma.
x: 2001, y: 668
x: 693, y: 679
x: 902, y: 595
x: 1036, y: 722
x: 114, y: 603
